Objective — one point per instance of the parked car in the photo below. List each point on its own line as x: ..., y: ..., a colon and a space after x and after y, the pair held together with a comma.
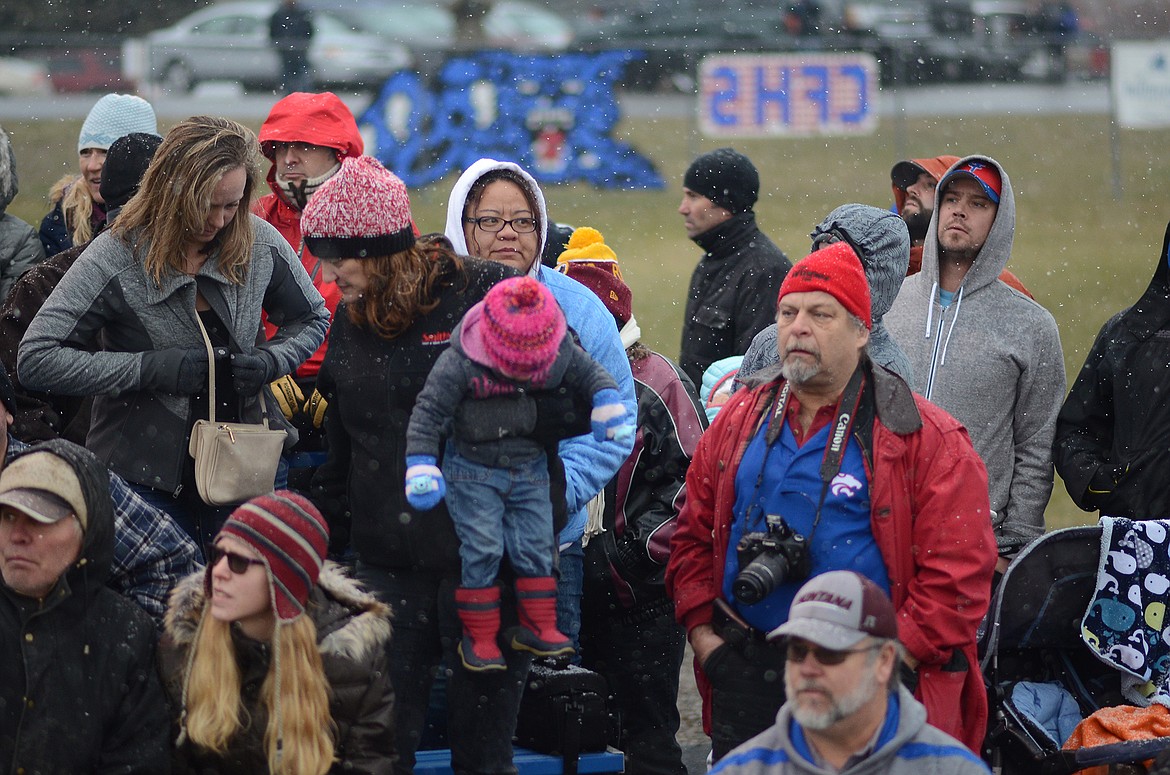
x: 229, y: 41
x: 515, y: 25
x: 23, y: 76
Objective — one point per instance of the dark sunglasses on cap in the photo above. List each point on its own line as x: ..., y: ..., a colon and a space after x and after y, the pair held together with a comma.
x: 237, y: 563
x: 797, y: 650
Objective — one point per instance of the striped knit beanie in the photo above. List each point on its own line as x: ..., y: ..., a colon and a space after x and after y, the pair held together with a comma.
x: 363, y: 211
x: 523, y: 327
x: 114, y: 116
x: 292, y: 539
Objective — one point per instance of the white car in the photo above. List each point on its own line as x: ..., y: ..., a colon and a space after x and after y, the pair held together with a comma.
x: 21, y: 76
x: 229, y: 42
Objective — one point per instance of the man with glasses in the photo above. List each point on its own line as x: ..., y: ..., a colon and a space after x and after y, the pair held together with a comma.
x: 846, y: 710
x: 829, y: 462
x: 729, y: 300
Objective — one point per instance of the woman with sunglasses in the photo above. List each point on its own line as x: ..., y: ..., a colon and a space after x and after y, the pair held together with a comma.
x: 274, y: 660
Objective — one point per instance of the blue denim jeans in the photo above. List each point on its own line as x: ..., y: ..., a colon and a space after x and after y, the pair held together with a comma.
x: 481, y: 707
x: 570, y: 584
x: 497, y: 510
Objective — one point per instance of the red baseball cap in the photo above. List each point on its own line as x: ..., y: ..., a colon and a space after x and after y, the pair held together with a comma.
x: 984, y: 172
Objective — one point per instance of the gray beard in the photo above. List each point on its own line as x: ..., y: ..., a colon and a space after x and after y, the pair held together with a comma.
x: 799, y: 372
x: 838, y: 709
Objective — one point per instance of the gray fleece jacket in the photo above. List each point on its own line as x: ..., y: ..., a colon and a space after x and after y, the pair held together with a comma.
x: 883, y: 243
x: 20, y: 247
x: 140, y: 423
x: 992, y: 359
x: 905, y: 745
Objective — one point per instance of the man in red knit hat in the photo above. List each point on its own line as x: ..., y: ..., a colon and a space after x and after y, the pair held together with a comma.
x: 827, y: 463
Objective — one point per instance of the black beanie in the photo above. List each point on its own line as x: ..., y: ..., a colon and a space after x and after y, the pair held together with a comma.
x: 726, y: 177
x: 126, y: 163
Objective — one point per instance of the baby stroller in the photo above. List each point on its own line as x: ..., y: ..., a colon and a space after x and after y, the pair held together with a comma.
x: 1033, y: 636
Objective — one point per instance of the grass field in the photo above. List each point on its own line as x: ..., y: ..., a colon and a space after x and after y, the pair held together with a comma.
x: 1083, y: 254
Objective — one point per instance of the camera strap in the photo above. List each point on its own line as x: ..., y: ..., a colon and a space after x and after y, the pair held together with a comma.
x: 838, y: 436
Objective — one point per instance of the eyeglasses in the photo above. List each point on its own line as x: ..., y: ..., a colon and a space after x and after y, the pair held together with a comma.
x: 237, y: 563
x: 491, y: 223
x: 796, y: 651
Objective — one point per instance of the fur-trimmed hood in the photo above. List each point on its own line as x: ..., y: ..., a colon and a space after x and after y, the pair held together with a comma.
x: 350, y: 622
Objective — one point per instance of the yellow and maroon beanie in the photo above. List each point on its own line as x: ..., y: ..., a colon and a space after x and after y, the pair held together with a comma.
x: 589, y: 261
x: 837, y: 271
x: 292, y: 539
x: 522, y: 327
x: 363, y: 211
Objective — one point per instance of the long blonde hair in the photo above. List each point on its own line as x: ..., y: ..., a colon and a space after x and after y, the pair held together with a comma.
x: 76, y: 207
x: 299, y: 737
x: 175, y: 196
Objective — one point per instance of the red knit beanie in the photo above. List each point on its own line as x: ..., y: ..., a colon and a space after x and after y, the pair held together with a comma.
x: 523, y: 327
x: 837, y: 271
x: 363, y: 211
x: 589, y: 261
x: 292, y: 539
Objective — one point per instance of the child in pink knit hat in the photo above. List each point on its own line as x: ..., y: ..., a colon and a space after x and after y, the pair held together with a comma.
x: 482, y: 394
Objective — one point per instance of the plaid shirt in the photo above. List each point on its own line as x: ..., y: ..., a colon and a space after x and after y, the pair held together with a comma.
x: 151, y: 552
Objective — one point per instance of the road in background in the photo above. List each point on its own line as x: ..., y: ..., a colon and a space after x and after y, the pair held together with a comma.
x: 942, y: 100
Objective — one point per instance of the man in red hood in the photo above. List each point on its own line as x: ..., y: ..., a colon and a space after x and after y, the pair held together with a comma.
x: 914, y: 181
x: 305, y: 137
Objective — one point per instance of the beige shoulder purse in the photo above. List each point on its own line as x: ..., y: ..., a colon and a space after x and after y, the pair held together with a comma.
x: 234, y: 461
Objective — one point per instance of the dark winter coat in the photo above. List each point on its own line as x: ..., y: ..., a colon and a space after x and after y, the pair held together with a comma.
x: 38, y: 415
x: 353, y: 630
x: 626, y: 563
x: 79, y: 692
x: 139, y: 426
x: 290, y: 27
x: 732, y: 295
x: 495, y: 421
x: 1112, y: 446
x: 371, y: 384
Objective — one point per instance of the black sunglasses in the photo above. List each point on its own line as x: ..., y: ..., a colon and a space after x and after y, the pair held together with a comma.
x: 796, y: 651
x: 237, y: 563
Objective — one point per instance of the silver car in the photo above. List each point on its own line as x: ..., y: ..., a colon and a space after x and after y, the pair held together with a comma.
x: 229, y: 42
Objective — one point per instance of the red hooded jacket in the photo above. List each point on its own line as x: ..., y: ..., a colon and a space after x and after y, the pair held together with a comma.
x: 321, y: 119
x: 937, y: 167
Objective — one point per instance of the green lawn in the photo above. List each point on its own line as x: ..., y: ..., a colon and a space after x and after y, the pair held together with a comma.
x: 1082, y: 253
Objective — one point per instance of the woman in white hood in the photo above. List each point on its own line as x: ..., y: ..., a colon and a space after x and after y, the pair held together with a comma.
x: 497, y: 211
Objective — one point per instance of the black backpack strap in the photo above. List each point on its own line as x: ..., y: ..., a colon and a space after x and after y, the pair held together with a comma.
x: 574, y: 721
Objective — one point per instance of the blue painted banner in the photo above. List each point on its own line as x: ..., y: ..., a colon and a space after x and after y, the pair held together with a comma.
x: 763, y: 95
x: 552, y: 115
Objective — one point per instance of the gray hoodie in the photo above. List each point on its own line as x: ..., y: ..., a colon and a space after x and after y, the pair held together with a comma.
x: 20, y: 247
x: 883, y: 244
x: 992, y: 359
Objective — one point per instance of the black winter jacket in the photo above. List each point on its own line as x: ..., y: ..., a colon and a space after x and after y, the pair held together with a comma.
x: 371, y: 384
x: 625, y: 564
x: 732, y: 295
x: 79, y: 692
x: 1112, y: 444
x: 353, y: 630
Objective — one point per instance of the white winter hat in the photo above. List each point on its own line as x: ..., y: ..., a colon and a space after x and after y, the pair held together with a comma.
x: 114, y: 116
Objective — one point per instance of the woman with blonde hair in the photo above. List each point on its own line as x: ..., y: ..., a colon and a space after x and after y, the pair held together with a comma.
x: 126, y: 322
x: 275, y: 660
x: 79, y: 212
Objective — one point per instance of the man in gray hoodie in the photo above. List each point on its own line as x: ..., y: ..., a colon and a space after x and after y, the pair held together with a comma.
x: 983, y: 351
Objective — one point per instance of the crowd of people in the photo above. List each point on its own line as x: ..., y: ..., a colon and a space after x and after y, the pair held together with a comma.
x: 485, y: 464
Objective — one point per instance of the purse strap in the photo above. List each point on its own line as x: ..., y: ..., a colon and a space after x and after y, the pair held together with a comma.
x: 211, y: 378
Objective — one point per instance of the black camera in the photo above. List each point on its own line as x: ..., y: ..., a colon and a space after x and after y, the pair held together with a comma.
x: 768, y: 559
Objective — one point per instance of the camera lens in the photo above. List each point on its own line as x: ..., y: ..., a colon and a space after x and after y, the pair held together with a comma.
x: 759, y: 578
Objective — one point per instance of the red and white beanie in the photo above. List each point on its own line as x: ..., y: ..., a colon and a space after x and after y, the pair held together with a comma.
x: 292, y: 539
x: 363, y: 211
x: 837, y: 271
x: 522, y: 327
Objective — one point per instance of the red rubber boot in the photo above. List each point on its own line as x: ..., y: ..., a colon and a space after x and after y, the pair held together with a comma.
x: 536, y: 605
x: 479, y: 610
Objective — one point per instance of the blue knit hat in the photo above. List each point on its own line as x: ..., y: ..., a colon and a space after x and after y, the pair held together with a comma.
x: 114, y: 116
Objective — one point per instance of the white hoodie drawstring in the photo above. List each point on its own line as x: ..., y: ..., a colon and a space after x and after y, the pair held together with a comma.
x: 930, y: 309
x: 942, y: 361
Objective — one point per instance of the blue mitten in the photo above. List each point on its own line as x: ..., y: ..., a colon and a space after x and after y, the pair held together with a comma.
x: 607, y: 418
x: 424, y: 482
